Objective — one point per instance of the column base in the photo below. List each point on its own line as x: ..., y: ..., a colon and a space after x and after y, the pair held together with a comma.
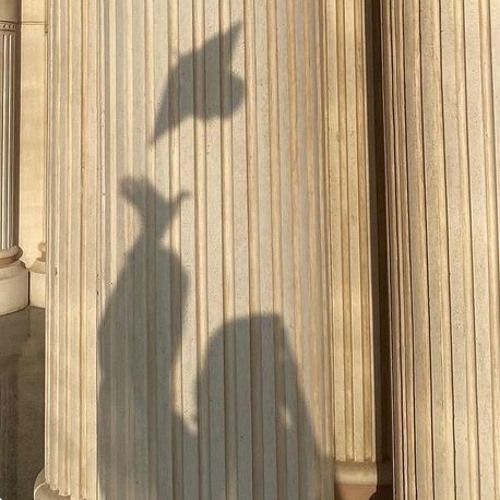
x: 363, y: 481
x: 13, y: 288
x: 37, y: 284
x: 43, y: 491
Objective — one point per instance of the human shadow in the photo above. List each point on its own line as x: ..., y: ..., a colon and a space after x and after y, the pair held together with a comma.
x: 170, y: 115
x: 146, y: 438
x: 123, y: 399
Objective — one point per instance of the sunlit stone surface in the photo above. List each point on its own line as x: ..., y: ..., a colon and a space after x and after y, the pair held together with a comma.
x: 442, y: 109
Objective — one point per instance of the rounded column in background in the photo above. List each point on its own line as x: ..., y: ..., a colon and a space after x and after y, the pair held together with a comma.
x: 13, y: 275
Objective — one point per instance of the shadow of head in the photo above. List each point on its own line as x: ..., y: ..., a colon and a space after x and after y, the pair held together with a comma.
x: 141, y: 193
x: 178, y: 100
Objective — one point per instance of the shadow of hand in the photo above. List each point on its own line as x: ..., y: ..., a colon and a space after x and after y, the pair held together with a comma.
x: 169, y: 116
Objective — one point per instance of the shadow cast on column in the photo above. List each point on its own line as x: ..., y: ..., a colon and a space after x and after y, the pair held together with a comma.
x: 148, y: 436
x: 142, y: 434
x: 170, y: 116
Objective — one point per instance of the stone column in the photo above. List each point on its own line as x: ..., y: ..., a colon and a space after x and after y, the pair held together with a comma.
x: 13, y: 275
x: 359, y: 329
x: 442, y: 109
x: 188, y: 354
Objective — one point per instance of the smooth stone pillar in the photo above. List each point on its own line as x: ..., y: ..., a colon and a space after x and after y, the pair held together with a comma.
x: 188, y: 351
x: 442, y: 112
x: 13, y: 275
x: 33, y: 146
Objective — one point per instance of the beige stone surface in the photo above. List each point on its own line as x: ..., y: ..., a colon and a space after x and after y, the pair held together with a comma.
x: 13, y: 275
x: 38, y: 284
x: 34, y: 11
x: 33, y: 140
x: 10, y: 10
x: 442, y: 75
x: 13, y: 288
x: 187, y: 310
x: 214, y: 324
x: 33, y: 136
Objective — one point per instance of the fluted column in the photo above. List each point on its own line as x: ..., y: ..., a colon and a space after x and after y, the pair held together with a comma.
x: 361, y: 387
x: 442, y: 82
x: 13, y: 275
x: 188, y: 354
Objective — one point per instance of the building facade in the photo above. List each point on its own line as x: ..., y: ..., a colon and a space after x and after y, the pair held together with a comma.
x: 271, y: 231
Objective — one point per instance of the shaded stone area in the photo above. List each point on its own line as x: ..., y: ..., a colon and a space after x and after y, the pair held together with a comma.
x: 22, y: 367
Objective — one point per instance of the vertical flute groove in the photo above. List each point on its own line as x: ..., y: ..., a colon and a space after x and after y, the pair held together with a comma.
x: 450, y: 317
x: 8, y: 121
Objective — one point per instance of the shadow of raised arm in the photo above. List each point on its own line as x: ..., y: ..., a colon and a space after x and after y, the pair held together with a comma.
x: 173, y: 109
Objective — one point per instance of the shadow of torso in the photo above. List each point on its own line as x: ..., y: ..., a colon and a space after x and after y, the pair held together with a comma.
x: 251, y: 435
